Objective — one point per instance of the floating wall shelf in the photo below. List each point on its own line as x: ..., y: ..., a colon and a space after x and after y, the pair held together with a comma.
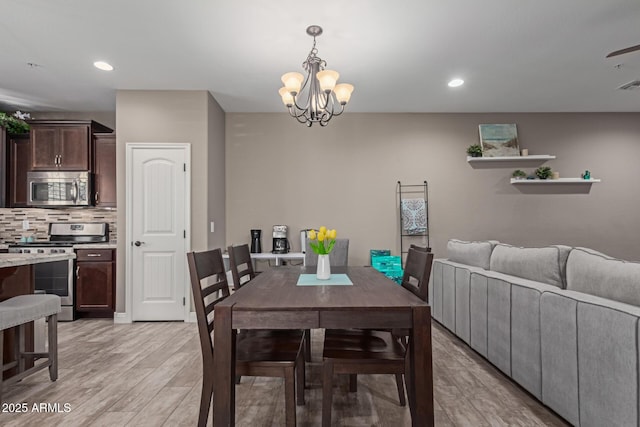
x: 536, y: 157
x: 554, y: 181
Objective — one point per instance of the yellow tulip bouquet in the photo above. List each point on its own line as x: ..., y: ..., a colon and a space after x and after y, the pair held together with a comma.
x: 326, y: 239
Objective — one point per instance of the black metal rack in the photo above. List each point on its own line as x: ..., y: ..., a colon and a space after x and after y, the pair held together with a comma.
x: 406, y: 239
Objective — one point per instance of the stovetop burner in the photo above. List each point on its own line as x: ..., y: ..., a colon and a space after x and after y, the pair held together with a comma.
x: 65, y: 234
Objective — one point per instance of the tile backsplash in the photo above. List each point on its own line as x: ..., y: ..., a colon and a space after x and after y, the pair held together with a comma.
x: 11, y: 221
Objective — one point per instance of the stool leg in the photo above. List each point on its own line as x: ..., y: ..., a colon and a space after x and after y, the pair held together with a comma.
x: 1, y: 361
x: 53, y: 346
x: 20, y: 347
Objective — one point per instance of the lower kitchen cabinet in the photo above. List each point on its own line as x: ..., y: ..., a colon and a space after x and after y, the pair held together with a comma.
x: 95, y: 282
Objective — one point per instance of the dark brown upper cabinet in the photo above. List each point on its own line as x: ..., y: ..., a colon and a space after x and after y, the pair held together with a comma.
x: 63, y: 145
x: 104, y: 169
x: 19, y: 161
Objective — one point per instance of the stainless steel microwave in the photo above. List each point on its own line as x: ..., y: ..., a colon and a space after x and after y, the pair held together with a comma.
x: 58, y: 188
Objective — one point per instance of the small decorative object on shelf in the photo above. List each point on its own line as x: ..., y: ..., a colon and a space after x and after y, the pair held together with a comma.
x: 555, y: 175
x: 524, y: 152
x: 543, y: 172
x: 474, y: 150
x: 519, y: 174
x: 322, y: 244
x: 586, y: 175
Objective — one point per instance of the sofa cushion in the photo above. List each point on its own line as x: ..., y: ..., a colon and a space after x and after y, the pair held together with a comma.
x: 544, y: 265
x: 476, y: 254
x: 597, y: 274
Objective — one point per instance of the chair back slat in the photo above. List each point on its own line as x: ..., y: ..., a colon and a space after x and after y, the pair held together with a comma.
x: 420, y: 248
x: 417, y: 271
x: 241, y: 265
x: 208, y: 276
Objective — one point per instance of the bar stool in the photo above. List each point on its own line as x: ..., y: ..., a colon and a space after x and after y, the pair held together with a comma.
x: 17, y: 312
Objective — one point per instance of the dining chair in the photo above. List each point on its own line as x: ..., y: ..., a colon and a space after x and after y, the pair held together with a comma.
x: 242, y: 272
x: 258, y: 353
x: 339, y: 256
x: 241, y: 265
x: 362, y: 351
x: 417, y: 270
x: 420, y: 248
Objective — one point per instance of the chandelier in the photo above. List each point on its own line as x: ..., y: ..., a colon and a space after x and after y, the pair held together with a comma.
x: 319, y: 98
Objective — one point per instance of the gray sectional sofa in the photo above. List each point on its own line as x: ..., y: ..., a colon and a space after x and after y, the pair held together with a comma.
x: 562, y: 322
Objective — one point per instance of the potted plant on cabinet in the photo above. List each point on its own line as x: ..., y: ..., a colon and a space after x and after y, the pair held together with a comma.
x: 543, y: 172
x: 474, y: 150
x: 14, y: 123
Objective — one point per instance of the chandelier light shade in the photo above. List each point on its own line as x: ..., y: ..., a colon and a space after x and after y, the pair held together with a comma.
x: 315, y: 98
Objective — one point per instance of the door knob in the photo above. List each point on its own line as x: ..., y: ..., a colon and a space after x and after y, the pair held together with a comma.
x: 138, y: 243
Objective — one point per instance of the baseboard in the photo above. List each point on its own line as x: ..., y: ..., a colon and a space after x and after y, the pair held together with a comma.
x: 192, y: 317
x: 121, y: 318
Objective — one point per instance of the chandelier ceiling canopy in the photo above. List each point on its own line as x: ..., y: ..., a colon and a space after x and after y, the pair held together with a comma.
x: 315, y: 98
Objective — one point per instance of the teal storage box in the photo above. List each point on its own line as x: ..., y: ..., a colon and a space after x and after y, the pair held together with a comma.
x: 376, y: 253
x: 386, y: 262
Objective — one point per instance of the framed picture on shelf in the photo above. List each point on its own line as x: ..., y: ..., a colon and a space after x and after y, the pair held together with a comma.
x: 499, y: 140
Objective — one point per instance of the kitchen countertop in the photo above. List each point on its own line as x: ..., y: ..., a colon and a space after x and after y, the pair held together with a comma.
x: 15, y: 260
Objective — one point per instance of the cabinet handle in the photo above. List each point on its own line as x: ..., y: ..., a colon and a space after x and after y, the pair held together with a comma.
x: 59, y: 159
x: 94, y: 255
x: 97, y: 198
x: 78, y: 271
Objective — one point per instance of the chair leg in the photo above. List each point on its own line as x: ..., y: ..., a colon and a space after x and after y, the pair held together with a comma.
x: 307, y: 345
x: 300, y: 380
x: 205, y: 398
x: 327, y: 392
x: 400, y: 385
x: 289, y: 397
x: 53, y: 346
x: 353, y: 383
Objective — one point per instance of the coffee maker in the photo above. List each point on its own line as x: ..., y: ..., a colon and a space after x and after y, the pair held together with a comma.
x: 256, y: 244
x: 280, y: 241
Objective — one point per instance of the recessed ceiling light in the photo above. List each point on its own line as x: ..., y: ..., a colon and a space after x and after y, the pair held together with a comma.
x: 101, y: 65
x: 456, y: 83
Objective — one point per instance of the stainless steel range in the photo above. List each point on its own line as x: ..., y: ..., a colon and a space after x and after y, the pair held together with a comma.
x: 59, y: 277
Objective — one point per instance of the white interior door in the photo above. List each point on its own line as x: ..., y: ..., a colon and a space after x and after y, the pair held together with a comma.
x: 157, y: 217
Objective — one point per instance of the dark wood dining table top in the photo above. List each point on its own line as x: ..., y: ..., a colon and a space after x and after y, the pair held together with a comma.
x: 276, y: 289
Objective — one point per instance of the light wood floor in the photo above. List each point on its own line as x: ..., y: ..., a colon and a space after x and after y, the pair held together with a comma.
x: 148, y: 374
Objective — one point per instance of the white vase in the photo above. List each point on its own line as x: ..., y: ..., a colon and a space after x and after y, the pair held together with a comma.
x: 324, y: 268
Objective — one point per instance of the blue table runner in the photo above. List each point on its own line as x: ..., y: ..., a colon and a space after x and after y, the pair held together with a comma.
x: 335, y: 279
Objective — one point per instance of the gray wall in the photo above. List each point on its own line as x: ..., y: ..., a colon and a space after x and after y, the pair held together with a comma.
x: 171, y: 117
x: 344, y: 176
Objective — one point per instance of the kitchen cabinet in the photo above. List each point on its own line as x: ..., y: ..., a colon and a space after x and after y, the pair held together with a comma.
x: 104, y: 169
x: 95, y: 282
x: 19, y: 162
x: 4, y: 164
x: 62, y: 145
x: 15, y: 281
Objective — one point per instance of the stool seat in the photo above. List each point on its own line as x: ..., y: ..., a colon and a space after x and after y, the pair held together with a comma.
x: 27, y: 308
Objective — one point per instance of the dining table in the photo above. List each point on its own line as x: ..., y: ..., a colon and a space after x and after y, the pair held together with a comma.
x: 278, y: 298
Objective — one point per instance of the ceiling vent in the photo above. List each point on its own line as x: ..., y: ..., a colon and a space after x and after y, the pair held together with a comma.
x: 631, y: 85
